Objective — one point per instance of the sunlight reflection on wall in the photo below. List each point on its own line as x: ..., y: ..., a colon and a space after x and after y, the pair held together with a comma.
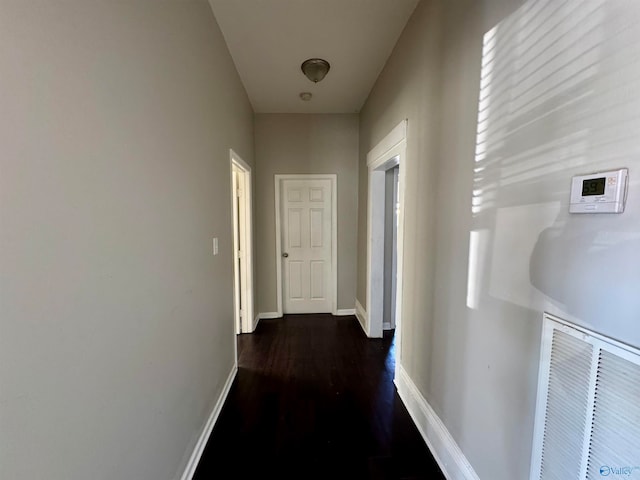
x: 558, y: 97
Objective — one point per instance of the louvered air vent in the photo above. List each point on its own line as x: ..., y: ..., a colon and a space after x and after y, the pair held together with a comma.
x: 588, y: 407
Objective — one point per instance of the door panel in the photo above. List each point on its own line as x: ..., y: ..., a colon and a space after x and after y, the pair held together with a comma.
x: 317, y: 280
x: 317, y: 234
x: 295, y: 280
x: 306, y: 211
x: 294, y: 225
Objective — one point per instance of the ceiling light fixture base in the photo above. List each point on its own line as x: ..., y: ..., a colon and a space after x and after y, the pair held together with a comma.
x: 315, y: 69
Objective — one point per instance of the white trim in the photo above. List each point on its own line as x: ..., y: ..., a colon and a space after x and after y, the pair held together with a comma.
x: 375, y: 157
x: 267, y: 315
x: 194, y: 459
x: 345, y: 311
x: 445, y: 450
x: 629, y: 352
x: 246, y: 282
x: 361, y: 315
x: 334, y: 234
x: 388, y: 153
x: 544, y: 368
x: 256, y: 320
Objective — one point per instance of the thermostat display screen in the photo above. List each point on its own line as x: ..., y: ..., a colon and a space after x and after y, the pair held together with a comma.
x: 593, y: 186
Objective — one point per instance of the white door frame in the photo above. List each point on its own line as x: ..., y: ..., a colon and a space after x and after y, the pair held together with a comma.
x: 334, y: 234
x: 243, y: 279
x: 388, y: 153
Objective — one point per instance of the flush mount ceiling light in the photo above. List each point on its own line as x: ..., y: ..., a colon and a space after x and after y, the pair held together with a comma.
x: 306, y: 96
x: 315, y: 69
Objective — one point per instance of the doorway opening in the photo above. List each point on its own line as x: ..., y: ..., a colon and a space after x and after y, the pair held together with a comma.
x: 242, y: 245
x: 385, y: 236
x: 391, y: 206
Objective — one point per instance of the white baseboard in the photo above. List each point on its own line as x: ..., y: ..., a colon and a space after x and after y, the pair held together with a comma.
x: 192, y: 464
x: 345, y: 311
x: 361, y: 315
x: 444, y: 448
x: 255, y: 323
x: 262, y: 315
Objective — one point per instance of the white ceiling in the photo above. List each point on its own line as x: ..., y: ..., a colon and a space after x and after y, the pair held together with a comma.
x: 269, y: 40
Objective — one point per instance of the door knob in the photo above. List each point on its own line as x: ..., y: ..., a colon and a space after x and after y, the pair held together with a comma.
x: 285, y: 254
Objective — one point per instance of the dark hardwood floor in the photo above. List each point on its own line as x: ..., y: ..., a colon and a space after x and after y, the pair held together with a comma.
x: 314, y: 399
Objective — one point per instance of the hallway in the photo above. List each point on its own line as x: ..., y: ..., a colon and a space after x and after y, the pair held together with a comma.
x: 314, y: 398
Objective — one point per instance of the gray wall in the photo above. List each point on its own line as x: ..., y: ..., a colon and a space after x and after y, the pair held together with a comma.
x: 296, y: 144
x: 116, y: 325
x: 475, y: 357
x: 408, y: 88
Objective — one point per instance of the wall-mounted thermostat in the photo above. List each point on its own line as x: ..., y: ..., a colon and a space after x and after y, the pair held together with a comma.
x: 603, y: 192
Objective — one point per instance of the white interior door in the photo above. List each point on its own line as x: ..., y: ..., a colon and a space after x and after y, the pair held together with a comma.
x: 242, y: 243
x: 306, y: 245
x: 237, y: 298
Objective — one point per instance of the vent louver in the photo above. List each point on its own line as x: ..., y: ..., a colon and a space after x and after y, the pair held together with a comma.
x: 588, y: 407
